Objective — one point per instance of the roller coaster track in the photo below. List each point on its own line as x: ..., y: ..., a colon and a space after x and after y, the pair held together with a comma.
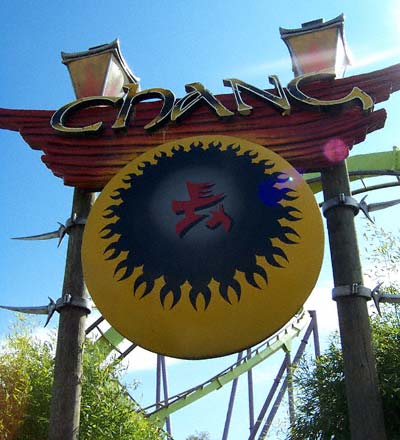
x: 160, y: 411
x: 363, y: 166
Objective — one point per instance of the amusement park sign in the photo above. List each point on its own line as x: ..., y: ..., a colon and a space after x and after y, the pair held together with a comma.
x: 198, y: 248
x: 204, y: 221
x: 116, y: 130
x: 174, y: 110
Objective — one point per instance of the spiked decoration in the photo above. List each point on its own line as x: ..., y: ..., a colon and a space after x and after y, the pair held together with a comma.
x: 367, y: 208
x: 53, y: 306
x: 35, y: 310
x: 383, y: 298
x: 59, y: 233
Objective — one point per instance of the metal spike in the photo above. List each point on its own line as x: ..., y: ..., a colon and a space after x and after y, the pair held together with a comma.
x: 375, y: 296
x: 40, y: 310
x: 364, y: 207
x: 36, y: 310
x: 59, y: 233
x: 383, y: 297
x: 382, y: 205
x: 51, y: 307
x: 367, y: 208
x: 46, y: 236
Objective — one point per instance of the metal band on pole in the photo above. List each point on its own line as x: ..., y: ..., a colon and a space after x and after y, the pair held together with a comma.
x: 66, y: 397
x: 363, y: 397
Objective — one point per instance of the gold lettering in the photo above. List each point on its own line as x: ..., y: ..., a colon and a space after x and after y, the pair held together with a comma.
x: 356, y: 94
x: 280, y: 100
x: 59, y: 118
x: 131, y: 98
x: 197, y: 93
x: 126, y: 108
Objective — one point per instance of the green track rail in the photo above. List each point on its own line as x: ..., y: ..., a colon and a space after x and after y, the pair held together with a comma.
x: 281, y: 340
x: 364, y: 166
x: 109, y: 340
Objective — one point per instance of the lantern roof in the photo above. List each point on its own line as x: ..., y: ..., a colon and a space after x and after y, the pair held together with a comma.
x: 317, y: 44
x: 314, y: 25
x: 100, y: 70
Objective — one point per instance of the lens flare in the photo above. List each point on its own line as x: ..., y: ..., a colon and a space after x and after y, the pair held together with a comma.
x: 335, y: 150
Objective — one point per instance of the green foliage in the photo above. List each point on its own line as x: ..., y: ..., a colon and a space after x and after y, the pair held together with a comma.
x: 386, y: 335
x: 321, y: 409
x: 26, y: 379
x: 203, y: 435
x: 107, y: 411
x: 26, y: 372
x: 321, y: 402
x: 383, y: 258
x: 320, y: 388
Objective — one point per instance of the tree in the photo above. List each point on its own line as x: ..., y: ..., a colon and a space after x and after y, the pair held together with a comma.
x: 383, y: 258
x: 26, y: 375
x: 321, y: 399
x: 203, y: 435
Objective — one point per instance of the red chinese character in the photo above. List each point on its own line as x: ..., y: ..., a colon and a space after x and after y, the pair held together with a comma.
x: 201, y: 197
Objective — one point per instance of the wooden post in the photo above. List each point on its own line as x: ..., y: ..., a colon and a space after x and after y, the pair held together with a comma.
x: 65, y: 405
x: 363, y: 397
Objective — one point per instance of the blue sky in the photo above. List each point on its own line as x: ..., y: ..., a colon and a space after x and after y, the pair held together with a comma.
x: 167, y: 44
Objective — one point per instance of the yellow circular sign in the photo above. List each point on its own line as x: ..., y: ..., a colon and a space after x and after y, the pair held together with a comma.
x: 203, y: 247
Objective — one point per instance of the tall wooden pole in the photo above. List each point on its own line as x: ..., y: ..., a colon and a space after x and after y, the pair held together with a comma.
x: 363, y: 397
x: 65, y: 405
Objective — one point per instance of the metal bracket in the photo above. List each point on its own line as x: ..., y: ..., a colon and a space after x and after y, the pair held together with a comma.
x: 343, y: 201
x: 351, y: 290
x: 348, y: 201
x: 69, y: 224
x: 73, y: 301
x: 68, y: 300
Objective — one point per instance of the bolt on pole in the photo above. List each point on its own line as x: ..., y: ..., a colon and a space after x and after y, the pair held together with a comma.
x: 66, y: 397
x: 362, y: 390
